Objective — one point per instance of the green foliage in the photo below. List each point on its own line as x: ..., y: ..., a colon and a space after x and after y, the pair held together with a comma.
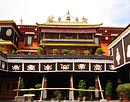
x: 91, y: 88
x: 55, y: 51
x: 108, y: 88
x: 82, y: 85
x: 21, y: 86
x: 13, y: 51
x: 38, y: 86
x: 40, y: 50
x: 124, y: 90
x: 65, y: 51
x: 91, y: 92
x: 57, y: 94
x: 99, y: 51
x: 120, y: 89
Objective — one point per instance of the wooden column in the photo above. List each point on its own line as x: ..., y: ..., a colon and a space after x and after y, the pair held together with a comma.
x: 43, y: 35
x: 44, y: 85
x: 18, y: 85
x: 100, y: 88
x: 96, y: 88
x: 71, y: 94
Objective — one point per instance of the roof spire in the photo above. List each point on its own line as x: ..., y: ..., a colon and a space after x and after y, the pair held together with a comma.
x: 21, y: 21
x: 68, y: 16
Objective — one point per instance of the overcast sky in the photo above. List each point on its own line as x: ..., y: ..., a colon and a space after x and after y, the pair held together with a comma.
x: 108, y: 12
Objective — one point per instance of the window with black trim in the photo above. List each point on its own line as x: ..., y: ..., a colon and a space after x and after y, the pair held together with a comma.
x: 28, y: 40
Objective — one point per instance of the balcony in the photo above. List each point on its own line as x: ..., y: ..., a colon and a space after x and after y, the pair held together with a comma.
x: 57, y: 56
x: 70, y: 40
x: 41, y: 63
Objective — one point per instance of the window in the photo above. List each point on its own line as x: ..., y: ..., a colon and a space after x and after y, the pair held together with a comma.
x: 51, y: 35
x: 97, y: 40
x: 28, y: 40
x: 85, y: 36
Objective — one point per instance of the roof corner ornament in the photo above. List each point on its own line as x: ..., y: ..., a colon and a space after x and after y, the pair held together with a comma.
x: 50, y: 19
x: 85, y: 19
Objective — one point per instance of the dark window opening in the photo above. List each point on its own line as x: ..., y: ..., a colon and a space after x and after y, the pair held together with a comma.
x: 28, y: 40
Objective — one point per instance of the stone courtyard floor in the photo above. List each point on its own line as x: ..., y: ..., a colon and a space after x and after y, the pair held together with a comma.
x: 11, y: 100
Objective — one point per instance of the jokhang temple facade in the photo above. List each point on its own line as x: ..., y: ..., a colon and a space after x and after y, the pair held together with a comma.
x: 61, y: 52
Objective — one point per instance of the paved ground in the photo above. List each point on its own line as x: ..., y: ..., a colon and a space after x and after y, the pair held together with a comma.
x: 5, y: 100
x: 11, y: 100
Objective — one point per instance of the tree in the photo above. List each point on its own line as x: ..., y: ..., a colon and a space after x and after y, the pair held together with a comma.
x: 108, y: 89
x: 40, y: 50
x: 91, y: 92
x: 21, y: 86
x: 124, y: 90
x: 58, y: 95
x: 65, y: 51
x: 55, y: 51
x: 99, y: 51
x: 82, y: 85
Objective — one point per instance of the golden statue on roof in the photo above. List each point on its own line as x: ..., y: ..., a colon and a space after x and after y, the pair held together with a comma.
x: 50, y: 18
x: 68, y: 21
x: 85, y: 19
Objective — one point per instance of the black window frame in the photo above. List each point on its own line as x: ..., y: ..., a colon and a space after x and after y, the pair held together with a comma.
x: 26, y: 43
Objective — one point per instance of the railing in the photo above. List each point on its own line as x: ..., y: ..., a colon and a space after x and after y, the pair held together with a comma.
x: 77, y: 40
x: 69, y: 89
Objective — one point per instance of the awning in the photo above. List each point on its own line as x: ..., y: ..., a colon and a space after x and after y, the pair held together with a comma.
x: 69, y: 30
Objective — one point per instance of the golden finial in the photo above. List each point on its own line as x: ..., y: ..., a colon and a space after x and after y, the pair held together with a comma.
x: 59, y: 19
x: 76, y: 19
x: 68, y: 16
x: 21, y: 21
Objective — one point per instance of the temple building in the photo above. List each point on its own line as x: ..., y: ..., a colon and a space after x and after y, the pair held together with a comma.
x: 57, y: 54
x: 120, y: 50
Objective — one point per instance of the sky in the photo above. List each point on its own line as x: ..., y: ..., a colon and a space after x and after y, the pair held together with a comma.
x: 108, y: 12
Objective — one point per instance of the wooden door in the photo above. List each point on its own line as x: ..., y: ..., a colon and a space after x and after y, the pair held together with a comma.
x: 6, y: 87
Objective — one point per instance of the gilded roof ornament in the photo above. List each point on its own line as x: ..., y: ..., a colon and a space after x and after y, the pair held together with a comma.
x: 68, y: 21
x: 85, y: 19
x: 76, y: 19
x: 50, y: 19
x: 59, y: 19
x: 68, y: 16
x: 21, y: 21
